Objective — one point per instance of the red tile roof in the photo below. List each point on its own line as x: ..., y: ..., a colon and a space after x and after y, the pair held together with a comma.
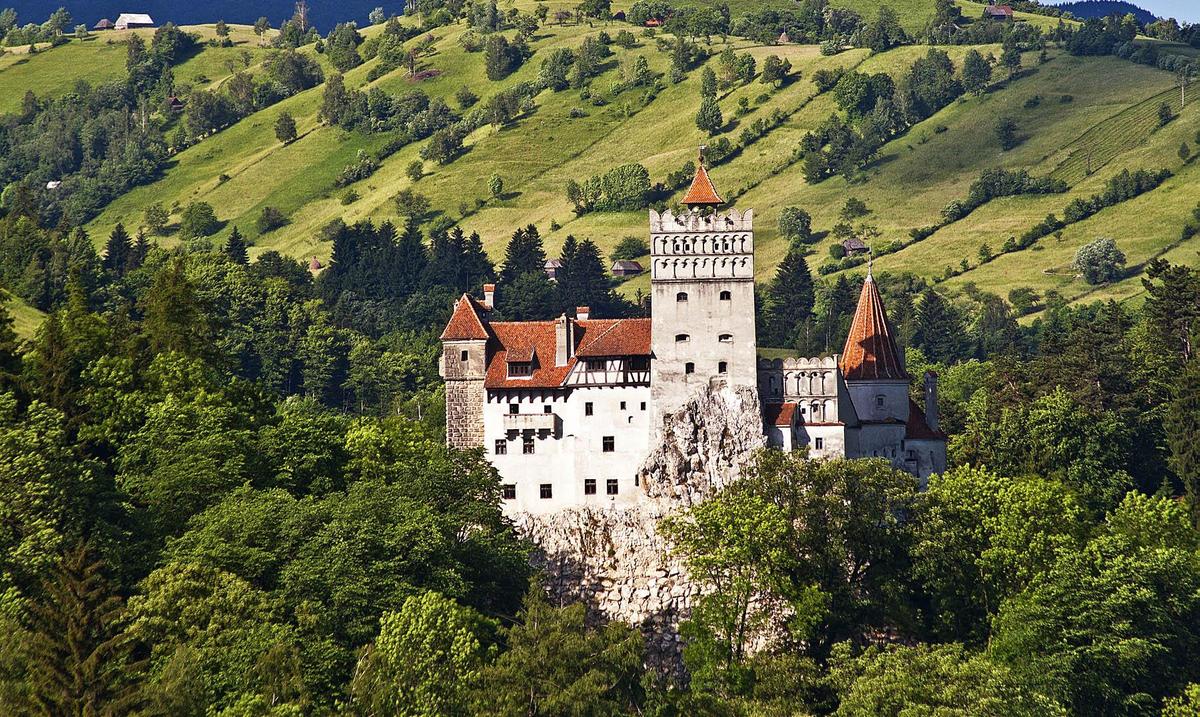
x: 998, y: 10
x: 870, y: 352
x: 702, y: 193
x: 466, y: 324
x: 594, y: 338
x: 917, y: 427
x: 779, y: 414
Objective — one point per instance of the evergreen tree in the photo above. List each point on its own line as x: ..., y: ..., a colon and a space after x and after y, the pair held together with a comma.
x: 478, y: 268
x: 708, y: 117
x: 174, y: 320
x: 708, y: 84
x: 117, y: 251
x: 789, y: 300
x: 1011, y: 59
x: 10, y: 358
x: 81, y: 663
x: 583, y: 281
x: 523, y: 255
x: 1182, y: 427
x: 48, y: 366
x: 141, y: 247
x: 235, y: 248
x: 940, y: 329
x: 411, y: 259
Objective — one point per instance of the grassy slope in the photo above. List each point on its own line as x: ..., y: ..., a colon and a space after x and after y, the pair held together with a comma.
x: 25, y: 318
x: 916, y: 176
x: 101, y: 57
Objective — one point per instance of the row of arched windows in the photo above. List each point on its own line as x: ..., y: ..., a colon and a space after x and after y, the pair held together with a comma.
x: 701, y: 267
x: 682, y: 296
x: 703, y: 245
x: 723, y: 338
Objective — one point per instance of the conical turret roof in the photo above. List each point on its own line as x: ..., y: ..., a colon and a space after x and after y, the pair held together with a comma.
x: 702, y: 193
x: 870, y: 353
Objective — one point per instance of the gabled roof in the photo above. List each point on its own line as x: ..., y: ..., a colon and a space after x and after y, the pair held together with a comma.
x: 134, y: 18
x: 870, y: 353
x: 702, y: 193
x: 779, y: 414
x: 626, y: 265
x: 104, y: 24
x: 917, y: 428
x: 517, y: 340
x: 998, y: 10
x: 466, y: 324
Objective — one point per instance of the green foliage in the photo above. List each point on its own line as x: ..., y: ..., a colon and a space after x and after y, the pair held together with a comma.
x: 555, y: 665
x: 197, y: 221
x: 1006, y: 133
x: 795, y: 223
x: 976, y: 72
x: 1100, y: 261
x: 155, y: 218
x: 630, y: 247
x: 708, y: 117
x: 1181, y: 424
x: 285, y: 128
x: 788, y: 301
x: 271, y: 218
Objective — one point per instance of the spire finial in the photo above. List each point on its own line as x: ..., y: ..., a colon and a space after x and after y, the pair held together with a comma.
x: 700, y: 153
x: 870, y: 261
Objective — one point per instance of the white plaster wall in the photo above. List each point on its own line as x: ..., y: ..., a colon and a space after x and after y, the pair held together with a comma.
x: 895, y: 400
x: 564, y: 461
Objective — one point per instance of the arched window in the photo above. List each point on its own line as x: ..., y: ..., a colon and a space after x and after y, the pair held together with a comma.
x: 726, y: 296
x: 689, y: 367
x: 725, y: 338
x: 680, y: 338
x: 681, y: 296
x: 722, y: 367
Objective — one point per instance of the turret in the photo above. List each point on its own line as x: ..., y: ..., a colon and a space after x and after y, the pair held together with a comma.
x: 464, y: 368
x: 931, y: 403
x: 871, y: 364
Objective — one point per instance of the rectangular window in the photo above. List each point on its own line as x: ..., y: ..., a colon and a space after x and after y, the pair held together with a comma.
x: 643, y: 405
x: 622, y: 405
x: 819, y: 443
x: 589, y: 486
x: 514, y: 408
x: 609, y: 444
x: 510, y: 491
x: 501, y: 447
x: 520, y: 370
x: 547, y: 409
x: 462, y: 356
x: 639, y: 363
x: 595, y: 365
x: 587, y: 408
x: 546, y: 490
x: 611, y: 486
x: 879, y: 401
x: 527, y: 445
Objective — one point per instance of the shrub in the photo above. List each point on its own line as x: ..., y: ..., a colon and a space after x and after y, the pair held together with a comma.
x: 465, y: 97
x: 630, y: 247
x: 198, y: 220
x: 1165, y: 114
x: 271, y: 218
x: 1006, y: 133
x: 1100, y: 261
x: 837, y: 251
x: 285, y: 128
x: 349, y: 197
x: 795, y: 223
x: 415, y: 170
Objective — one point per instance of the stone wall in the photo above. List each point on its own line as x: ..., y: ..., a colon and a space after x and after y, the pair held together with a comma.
x: 464, y: 413
x: 614, y: 560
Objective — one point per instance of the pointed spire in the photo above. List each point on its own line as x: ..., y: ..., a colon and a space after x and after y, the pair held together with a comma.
x: 702, y: 193
x: 871, y: 352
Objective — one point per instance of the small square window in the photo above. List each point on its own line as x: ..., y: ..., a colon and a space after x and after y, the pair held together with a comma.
x: 726, y: 296
x: 722, y: 367
x: 514, y: 408
x: 643, y: 405
x: 547, y: 409
x: 546, y: 490
x: 689, y: 367
x: 463, y: 356
x: 595, y: 365
x: 588, y: 409
x: 879, y: 401
x: 589, y: 486
x: 610, y: 486
x: 622, y: 405
x: 818, y: 443
x: 501, y: 447
x: 609, y: 444
x: 510, y: 491
x: 527, y: 445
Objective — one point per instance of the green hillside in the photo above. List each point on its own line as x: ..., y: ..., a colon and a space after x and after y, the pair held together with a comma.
x: 1097, y: 111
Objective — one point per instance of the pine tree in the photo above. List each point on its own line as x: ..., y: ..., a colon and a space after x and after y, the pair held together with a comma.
x: 411, y: 259
x: 940, y: 329
x: 524, y: 254
x: 708, y: 117
x: 708, y: 84
x: 117, y: 251
x: 583, y: 281
x: 173, y: 319
x: 235, y: 248
x: 81, y: 663
x: 141, y: 247
x: 1182, y: 427
x: 976, y: 72
x: 478, y: 268
x: 789, y: 300
x: 10, y: 358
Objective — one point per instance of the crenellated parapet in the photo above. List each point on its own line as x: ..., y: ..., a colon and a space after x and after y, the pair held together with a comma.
x: 801, y: 378
x: 697, y: 222
x: 693, y: 245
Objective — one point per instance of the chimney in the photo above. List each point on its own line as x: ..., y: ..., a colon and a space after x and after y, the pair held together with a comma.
x: 931, y: 408
x: 564, y: 340
x: 489, y: 295
x: 582, y: 312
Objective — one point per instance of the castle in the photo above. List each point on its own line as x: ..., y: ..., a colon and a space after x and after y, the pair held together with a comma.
x: 568, y: 409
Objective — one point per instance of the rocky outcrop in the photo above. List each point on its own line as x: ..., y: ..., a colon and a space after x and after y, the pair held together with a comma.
x: 614, y: 560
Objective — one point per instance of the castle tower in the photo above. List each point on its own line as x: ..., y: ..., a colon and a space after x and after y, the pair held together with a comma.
x: 464, y: 368
x: 871, y: 364
x: 702, y: 287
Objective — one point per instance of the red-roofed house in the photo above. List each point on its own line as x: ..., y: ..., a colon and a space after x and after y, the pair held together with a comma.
x: 567, y: 409
x: 998, y: 12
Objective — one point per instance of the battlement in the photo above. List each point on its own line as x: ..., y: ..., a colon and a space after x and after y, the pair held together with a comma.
x: 696, y: 222
x: 798, y: 363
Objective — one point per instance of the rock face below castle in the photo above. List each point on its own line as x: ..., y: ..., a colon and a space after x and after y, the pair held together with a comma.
x: 613, y: 559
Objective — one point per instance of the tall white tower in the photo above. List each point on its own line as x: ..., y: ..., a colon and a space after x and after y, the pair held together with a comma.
x: 702, y: 288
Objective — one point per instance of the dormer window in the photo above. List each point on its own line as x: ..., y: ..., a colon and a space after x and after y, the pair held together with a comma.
x: 681, y: 338
x: 726, y: 296
x: 520, y: 369
x: 681, y: 296
x: 725, y: 338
